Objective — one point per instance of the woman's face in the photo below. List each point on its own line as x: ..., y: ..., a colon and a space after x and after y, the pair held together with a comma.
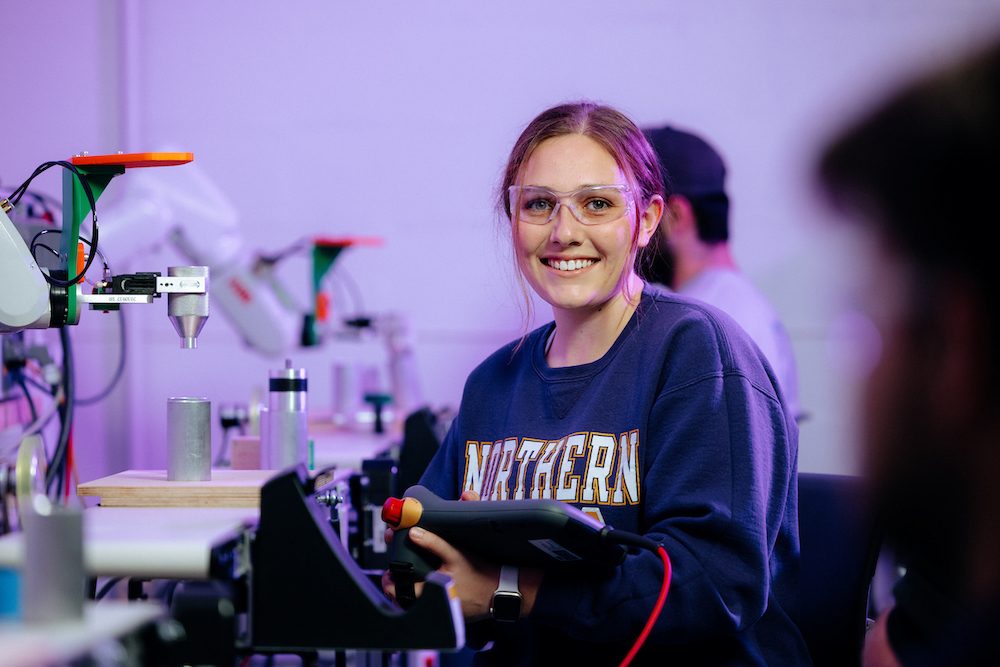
x: 569, y: 264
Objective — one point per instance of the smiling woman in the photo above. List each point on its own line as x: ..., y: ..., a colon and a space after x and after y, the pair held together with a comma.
x: 648, y: 411
x: 619, y: 157
x: 583, y: 267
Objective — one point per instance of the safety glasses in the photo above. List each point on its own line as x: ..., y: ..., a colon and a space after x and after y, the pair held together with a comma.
x: 592, y: 205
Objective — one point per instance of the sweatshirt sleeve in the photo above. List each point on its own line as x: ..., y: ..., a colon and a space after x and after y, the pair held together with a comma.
x: 442, y: 474
x: 719, y: 460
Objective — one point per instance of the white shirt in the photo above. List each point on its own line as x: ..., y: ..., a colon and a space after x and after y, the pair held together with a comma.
x: 733, y: 293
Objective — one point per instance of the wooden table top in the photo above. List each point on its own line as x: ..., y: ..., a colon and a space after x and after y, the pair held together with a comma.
x: 151, y: 488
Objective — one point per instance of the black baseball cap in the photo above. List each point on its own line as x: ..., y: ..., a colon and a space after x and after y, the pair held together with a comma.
x: 693, y: 168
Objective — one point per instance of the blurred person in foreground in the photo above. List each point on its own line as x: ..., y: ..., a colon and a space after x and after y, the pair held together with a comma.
x: 692, y: 254
x: 922, y: 173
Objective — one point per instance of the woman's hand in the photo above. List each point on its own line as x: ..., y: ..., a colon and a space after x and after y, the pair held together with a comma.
x: 475, y: 579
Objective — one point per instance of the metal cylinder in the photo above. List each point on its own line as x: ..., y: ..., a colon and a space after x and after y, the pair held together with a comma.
x: 287, y: 418
x: 189, y: 439
x: 52, y: 584
x: 346, y: 397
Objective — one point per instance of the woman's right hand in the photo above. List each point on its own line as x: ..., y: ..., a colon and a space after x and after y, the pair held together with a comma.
x: 451, y: 566
x: 389, y: 587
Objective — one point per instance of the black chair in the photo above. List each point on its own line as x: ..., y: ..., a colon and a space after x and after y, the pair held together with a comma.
x: 420, y: 443
x: 840, y: 543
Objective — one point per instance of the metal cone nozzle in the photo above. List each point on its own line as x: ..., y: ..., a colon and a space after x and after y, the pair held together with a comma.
x: 188, y: 312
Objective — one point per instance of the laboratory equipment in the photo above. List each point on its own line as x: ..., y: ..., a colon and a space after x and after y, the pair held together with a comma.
x: 287, y: 440
x: 37, y: 297
x: 33, y: 299
x: 540, y: 531
x: 189, y: 439
x: 307, y: 593
x: 52, y: 578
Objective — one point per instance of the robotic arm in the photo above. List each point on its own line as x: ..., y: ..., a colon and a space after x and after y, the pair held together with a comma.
x: 31, y: 299
x: 184, y: 208
x: 37, y: 297
x: 24, y: 298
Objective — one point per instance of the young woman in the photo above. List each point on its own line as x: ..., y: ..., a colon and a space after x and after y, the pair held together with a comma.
x: 648, y: 411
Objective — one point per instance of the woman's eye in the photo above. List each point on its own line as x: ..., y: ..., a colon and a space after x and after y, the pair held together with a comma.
x: 537, y: 205
x: 599, y: 205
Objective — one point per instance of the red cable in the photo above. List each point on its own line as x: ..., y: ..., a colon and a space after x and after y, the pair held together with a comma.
x: 69, y: 461
x: 656, y: 609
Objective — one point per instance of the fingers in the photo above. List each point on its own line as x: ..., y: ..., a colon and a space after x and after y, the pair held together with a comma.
x: 475, y: 579
x: 436, y: 545
x: 469, y: 495
x: 389, y: 587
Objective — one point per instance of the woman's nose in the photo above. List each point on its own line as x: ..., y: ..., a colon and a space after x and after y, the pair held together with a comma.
x: 565, y: 225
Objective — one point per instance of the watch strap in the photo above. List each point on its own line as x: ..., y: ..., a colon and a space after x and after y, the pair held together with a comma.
x: 508, y: 580
x: 506, y: 603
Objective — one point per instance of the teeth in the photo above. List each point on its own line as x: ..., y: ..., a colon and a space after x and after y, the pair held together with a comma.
x: 571, y: 265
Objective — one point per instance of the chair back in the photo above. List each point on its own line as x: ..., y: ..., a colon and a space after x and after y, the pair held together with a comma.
x: 840, y: 543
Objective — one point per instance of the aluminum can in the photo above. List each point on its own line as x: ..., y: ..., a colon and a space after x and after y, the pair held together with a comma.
x: 189, y: 439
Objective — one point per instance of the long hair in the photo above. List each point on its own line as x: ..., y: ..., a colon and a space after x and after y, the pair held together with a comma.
x: 923, y: 169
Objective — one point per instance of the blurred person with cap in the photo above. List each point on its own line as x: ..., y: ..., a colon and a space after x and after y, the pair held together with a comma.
x: 920, y: 175
x: 693, y: 257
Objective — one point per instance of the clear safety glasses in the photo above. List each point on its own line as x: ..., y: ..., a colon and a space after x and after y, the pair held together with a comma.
x: 592, y: 205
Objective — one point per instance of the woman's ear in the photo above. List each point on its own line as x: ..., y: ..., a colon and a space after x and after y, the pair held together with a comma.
x: 649, y: 220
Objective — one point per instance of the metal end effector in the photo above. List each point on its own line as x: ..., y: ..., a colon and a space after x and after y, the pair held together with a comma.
x: 187, y: 308
x: 186, y: 288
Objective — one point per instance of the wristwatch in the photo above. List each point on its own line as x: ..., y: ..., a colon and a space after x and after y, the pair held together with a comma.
x: 506, y: 605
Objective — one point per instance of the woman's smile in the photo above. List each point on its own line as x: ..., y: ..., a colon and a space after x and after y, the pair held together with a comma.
x: 564, y: 265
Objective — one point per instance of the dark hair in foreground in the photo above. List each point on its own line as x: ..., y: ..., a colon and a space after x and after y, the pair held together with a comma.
x: 925, y: 170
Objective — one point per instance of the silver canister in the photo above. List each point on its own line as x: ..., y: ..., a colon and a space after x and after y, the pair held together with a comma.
x: 348, y: 397
x: 189, y: 439
x: 53, y: 581
x: 287, y: 420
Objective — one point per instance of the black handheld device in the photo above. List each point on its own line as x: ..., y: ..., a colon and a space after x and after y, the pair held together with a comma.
x: 516, y: 532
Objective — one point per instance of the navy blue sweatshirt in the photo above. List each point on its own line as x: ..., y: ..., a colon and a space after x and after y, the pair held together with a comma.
x: 678, y: 433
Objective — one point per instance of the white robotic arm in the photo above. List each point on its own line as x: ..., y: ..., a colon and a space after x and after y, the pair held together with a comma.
x: 186, y: 209
x: 24, y: 294
x: 30, y: 299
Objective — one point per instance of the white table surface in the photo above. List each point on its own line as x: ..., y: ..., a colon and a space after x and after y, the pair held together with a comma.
x: 26, y: 645
x: 347, y: 449
x: 176, y: 542
x: 147, y: 542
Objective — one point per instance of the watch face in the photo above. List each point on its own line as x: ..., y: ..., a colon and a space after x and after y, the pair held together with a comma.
x: 506, y: 607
